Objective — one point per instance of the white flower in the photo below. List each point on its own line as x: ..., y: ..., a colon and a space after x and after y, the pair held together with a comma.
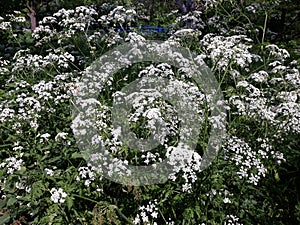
x: 225, y: 50
x: 147, y: 213
x: 210, y: 3
x: 58, y: 196
x: 226, y: 200
x: 136, y: 220
x: 46, y: 136
x: 87, y: 174
x: 279, y: 53
x: 232, y: 220
x: 61, y: 135
x: 12, y: 164
x: 49, y: 172
x: 154, y: 214
x: 259, y: 77
x: 249, y: 161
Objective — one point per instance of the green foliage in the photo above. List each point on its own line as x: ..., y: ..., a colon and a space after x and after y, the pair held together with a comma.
x: 49, y: 180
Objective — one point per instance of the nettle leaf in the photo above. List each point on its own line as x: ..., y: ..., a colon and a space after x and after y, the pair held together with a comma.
x: 38, y: 189
x: 69, y: 202
x: 2, y: 203
x: 11, y: 201
x: 76, y: 155
x: 4, y: 219
x: 198, y: 210
x: 54, y: 159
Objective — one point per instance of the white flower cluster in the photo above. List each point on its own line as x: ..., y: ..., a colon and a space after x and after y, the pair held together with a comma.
x: 190, y: 20
x: 147, y: 214
x: 61, y: 136
x: 13, y: 163
x: 49, y: 172
x: 250, y: 161
x: 86, y: 173
x: 16, y: 17
x: 118, y: 16
x: 5, y: 25
x: 113, y: 38
x: 253, y: 8
x: 189, y: 94
x: 232, y: 220
x: 27, y: 102
x: 44, y: 33
x: 211, y: 3
x: 278, y: 53
x: 246, y: 159
x: 24, y: 61
x: 135, y: 38
x: 20, y: 185
x: 3, y: 64
x: 78, y: 19
x: 44, y: 137
x: 6, y: 114
x: 186, y: 161
x: 225, y: 51
x: 157, y: 113
x: 185, y: 36
x: 282, y: 109
x: 158, y: 116
x: 58, y: 195
x: 101, y: 160
x: 259, y: 77
x: 64, y: 24
x: 265, y: 147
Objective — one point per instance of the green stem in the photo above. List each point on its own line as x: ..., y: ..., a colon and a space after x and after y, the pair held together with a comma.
x: 123, y: 216
x: 265, y: 27
x: 117, y: 209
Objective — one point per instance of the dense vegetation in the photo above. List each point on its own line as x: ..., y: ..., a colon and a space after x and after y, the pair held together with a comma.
x: 251, y: 47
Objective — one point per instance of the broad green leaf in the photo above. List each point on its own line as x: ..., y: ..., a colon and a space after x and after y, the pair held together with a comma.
x: 76, y: 155
x: 11, y: 201
x: 4, y: 219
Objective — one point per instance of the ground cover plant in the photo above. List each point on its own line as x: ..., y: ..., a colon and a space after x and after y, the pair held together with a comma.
x: 252, y: 49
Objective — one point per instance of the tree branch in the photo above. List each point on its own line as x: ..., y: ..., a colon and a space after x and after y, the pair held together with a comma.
x: 32, y: 15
